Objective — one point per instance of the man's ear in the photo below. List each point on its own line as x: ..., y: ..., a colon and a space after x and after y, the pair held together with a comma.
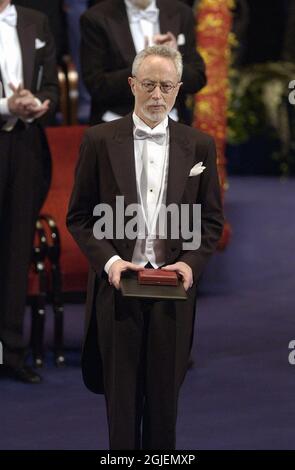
x: 132, y: 84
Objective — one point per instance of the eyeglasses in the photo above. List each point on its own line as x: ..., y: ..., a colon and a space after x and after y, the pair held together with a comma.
x: 165, y: 87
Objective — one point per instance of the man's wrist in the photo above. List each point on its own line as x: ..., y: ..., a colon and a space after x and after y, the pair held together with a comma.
x: 4, y: 108
x: 110, y: 262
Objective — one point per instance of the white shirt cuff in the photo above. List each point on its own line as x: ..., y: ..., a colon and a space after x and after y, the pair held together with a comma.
x: 110, y: 262
x: 4, y: 109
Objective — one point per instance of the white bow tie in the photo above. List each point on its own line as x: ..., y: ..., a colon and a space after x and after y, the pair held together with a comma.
x: 141, y: 134
x: 151, y: 15
x: 9, y: 16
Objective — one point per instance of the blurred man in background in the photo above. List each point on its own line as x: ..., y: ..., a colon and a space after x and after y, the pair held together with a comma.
x: 113, y: 31
x: 53, y: 9
x: 28, y: 91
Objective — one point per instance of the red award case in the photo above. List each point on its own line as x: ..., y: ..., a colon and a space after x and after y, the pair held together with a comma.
x: 157, y: 277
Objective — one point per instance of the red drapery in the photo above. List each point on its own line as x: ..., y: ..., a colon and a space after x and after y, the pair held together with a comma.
x: 214, y: 37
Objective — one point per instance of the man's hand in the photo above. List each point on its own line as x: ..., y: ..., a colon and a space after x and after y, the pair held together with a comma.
x: 16, y: 103
x: 184, y: 270
x: 38, y: 110
x: 167, y: 39
x: 24, y: 105
x: 117, y: 268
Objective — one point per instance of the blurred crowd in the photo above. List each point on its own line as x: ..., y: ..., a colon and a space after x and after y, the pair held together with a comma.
x: 64, y: 15
x: 256, y: 44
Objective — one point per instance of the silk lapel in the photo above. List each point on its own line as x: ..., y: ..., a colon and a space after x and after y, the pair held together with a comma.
x: 121, y: 154
x: 181, y: 159
x: 120, y: 31
x: 27, y: 34
x: 169, y: 18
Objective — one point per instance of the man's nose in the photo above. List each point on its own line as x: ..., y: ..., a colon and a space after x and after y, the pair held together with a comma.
x: 156, y: 94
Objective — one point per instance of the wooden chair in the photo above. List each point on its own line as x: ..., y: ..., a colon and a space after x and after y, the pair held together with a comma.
x: 59, y: 266
x: 72, y: 78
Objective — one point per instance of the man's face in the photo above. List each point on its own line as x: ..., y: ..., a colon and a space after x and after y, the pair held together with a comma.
x: 142, y: 4
x: 152, y: 107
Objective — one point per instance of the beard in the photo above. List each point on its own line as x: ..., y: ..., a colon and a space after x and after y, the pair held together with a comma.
x: 142, y: 4
x: 155, y: 116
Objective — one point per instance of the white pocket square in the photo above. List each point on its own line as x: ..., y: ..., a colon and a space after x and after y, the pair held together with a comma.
x: 197, y: 169
x: 39, y: 44
x: 181, y: 40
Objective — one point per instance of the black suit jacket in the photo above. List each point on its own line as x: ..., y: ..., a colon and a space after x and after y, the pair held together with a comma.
x: 53, y: 9
x: 106, y: 168
x: 39, y: 72
x: 107, y: 53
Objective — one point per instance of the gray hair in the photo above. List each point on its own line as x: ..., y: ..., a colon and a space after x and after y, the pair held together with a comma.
x: 161, y: 51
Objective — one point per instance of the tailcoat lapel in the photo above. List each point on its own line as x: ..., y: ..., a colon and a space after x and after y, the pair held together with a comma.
x: 121, y: 154
x: 27, y: 34
x: 120, y: 31
x: 181, y: 158
x: 169, y: 19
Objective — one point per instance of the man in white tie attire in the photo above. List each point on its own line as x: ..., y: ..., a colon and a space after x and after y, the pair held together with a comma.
x: 136, y: 351
x: 29, y: 91
x: 114, y: 31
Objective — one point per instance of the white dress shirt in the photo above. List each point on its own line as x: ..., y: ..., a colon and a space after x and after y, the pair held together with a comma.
x: 10, y: 64
x: 150, y: 249
x: 144, y: 24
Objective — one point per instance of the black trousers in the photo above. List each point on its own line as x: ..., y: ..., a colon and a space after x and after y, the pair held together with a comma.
x: 144, y: 348
x: 140, y: 390
x: 21, y: 187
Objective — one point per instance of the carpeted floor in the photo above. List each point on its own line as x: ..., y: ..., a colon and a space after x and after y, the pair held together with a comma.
x: 240, y: 393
